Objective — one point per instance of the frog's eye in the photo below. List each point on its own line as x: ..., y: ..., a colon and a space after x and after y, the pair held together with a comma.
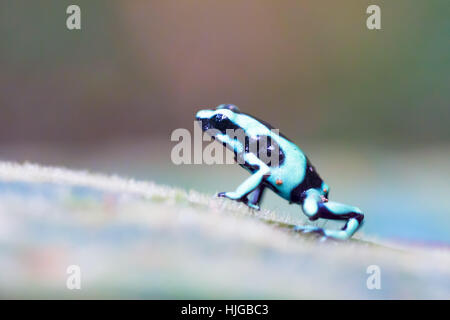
x: 219, y: 117
x: 220, y: 122
x: 231, y: 107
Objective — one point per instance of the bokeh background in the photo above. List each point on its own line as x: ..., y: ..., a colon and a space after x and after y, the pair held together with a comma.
x: 370, y: 108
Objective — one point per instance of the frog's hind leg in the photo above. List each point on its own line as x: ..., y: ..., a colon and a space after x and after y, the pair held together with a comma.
x: 255, y: 197
x: 334, y: 211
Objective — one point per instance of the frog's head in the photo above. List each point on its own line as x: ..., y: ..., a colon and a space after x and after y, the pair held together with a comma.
x: 221, y: 119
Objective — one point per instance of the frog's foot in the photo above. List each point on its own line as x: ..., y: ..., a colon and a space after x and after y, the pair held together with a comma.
x: 310, y: 229
x: 254, y: 198
x: 253, y: 206
x: 230, y: 195
x: 236, y: 197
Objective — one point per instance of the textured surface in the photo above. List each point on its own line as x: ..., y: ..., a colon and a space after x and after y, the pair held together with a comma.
x: 139, y: 240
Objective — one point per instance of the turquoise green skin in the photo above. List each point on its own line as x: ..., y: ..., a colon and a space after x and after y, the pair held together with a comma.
x: 292, y: 177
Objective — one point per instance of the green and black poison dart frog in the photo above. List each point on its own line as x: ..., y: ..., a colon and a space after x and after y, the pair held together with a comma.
x: 292, y: 177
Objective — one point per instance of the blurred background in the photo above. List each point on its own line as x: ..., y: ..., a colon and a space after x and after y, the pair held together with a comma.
x: 370, y: 108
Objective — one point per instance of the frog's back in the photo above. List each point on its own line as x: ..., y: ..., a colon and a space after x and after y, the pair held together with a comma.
x: 292, y: 173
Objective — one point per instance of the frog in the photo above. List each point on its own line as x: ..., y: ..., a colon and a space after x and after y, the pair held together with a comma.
x: 292, y: 177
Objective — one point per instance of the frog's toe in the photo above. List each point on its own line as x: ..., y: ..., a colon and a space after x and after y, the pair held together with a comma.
x: 229, y: 195
x: 309, y: 229
x: 253, y: 206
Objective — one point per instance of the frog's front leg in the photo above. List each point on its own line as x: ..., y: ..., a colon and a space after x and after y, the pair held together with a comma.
x: 255, y: 197
x: 314, y: 207
x: 253, y: 183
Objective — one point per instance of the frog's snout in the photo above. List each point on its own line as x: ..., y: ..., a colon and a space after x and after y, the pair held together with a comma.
x: 204, y: 114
